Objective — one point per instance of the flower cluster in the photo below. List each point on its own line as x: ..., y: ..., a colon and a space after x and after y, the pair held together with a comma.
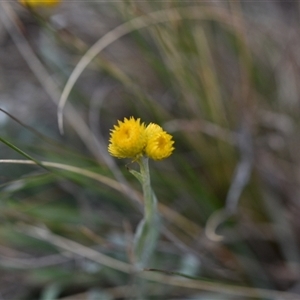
x: 132, y: 139
x: 34, y: 3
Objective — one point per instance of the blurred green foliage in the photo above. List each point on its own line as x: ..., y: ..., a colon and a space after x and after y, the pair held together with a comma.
x: 223, y: 84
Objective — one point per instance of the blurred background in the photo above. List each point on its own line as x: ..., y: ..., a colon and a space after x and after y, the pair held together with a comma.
x: 221, y: 77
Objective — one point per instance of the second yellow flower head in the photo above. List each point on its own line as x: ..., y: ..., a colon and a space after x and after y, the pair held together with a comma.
x: 132, y: 139
x: 159, y: 143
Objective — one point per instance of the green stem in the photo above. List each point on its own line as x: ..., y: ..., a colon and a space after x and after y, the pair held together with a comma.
x: 149, y: 199
x: 147, y: 231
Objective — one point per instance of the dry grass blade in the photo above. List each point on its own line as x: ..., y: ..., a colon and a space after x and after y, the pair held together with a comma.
x: 83, y: 251
x: 188, y: 226
x: 86, y: 135
x: 103, y: 179
x: 78, y: 249
x: 167, y: 15
x: 45, y: 80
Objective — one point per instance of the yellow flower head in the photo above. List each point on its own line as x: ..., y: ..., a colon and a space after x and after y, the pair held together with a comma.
x: 127, y: 139
x: 159, y: 143
x: 40, y: 3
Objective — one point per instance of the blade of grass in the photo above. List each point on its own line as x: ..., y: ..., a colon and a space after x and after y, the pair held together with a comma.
x: 187, y: 225
x: 83, y: 251
x: 18, y: 150
x: 153, y: 18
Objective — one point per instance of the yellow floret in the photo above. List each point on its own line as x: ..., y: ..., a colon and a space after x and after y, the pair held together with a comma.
x: 159, y: 143
x: 34, y: 3
x: 127, y: 139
